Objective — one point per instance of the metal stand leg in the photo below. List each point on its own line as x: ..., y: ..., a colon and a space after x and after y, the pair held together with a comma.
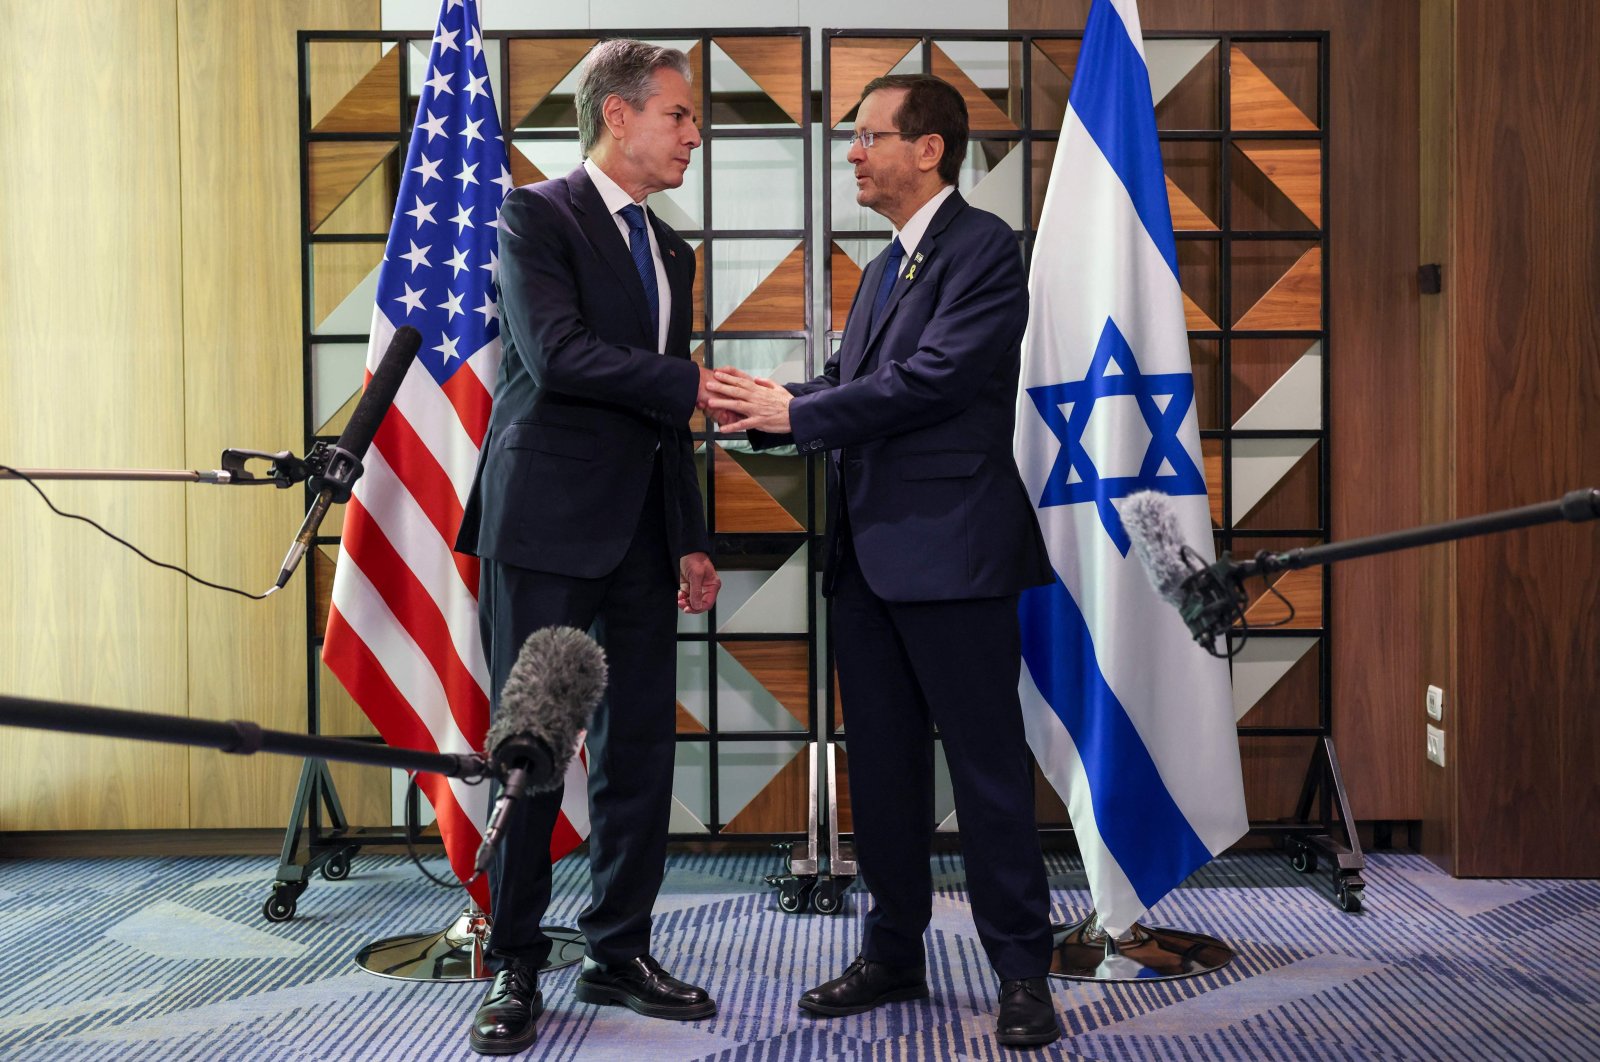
x: 797, y: 882
x: 1338, y: 842
x: 807, y: 883
x: 328, y: 851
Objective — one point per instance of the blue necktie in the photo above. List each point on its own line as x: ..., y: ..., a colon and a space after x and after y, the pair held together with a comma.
x: 639, y: 246
x: 891, y: 273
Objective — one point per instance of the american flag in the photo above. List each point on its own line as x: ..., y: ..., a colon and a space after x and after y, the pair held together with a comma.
x: 403, y: 632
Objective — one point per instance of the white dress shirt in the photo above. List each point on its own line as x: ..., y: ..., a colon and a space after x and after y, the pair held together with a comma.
x: 917, y: 224
x: 615, y: 199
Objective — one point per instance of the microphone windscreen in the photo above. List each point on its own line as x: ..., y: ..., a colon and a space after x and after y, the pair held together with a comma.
x: 1152, y: 526
x: 552, y: 690
x: 380, y: 391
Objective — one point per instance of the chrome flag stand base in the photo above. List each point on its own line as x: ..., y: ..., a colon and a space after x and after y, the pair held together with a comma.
x: 458, y: 952
x: 1086, y: 952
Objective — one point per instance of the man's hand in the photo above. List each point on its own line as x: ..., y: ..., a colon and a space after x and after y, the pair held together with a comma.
x: 702, y: 396
x: 702, y: 401
x: 756, y: 403
x: 697, y: 583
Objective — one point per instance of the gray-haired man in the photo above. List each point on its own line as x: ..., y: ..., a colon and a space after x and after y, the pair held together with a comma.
x: 587, y: 513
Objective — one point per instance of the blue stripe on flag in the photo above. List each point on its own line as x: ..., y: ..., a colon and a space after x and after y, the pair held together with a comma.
x: 1140, y: 824
x: 1111, y: 97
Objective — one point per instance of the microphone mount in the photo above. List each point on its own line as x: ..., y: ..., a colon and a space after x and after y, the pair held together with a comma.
x: 1214, y: 596
x: 283, y: 470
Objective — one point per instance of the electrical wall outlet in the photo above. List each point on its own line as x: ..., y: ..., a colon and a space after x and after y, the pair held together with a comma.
x: 1435, y: 703
x: 1435, y: 745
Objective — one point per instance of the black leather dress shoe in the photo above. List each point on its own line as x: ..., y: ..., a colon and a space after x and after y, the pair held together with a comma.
x: 645, y: 987
x: 864, y: 985
x: 508, y: 1019
x: 1027, y: 1017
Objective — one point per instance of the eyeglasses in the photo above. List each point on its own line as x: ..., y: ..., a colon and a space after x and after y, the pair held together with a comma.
x: 867, y: 137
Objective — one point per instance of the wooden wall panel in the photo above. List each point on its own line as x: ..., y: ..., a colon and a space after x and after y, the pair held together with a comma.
x: 1376, y: 379
x: 1376, y: 384
x: 242, y: 379
x: 1527, y: 372
x: 91, y: 368
x: 1436, y: 105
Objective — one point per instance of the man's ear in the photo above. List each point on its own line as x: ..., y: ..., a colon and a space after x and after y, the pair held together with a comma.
x: 932, y: 151
x: 614, y: 111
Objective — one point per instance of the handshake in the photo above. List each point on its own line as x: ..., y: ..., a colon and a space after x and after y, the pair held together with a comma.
x: 738, y: 401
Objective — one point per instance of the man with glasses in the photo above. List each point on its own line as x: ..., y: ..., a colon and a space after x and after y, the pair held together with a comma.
x: 931, y: 538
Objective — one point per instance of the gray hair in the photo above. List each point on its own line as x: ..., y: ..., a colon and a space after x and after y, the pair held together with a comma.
x: 622, y: 68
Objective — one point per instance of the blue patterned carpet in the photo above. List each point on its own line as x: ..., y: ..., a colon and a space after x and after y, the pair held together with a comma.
x: 170, y: 959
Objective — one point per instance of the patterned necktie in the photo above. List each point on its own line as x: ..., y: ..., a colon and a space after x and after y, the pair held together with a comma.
x: 639, y: 245
x: 891, y: 273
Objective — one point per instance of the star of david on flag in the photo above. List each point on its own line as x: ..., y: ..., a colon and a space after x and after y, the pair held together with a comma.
x: 1163, y: 401
x: 403, y: 634
x: 1130, y: 720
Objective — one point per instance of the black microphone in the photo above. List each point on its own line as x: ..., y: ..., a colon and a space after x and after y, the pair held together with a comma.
x: 334, y: 483
x: 545, y: 705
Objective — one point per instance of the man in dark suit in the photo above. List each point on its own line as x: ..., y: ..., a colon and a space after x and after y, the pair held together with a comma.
x: 931, y: 537
x: 587, y: 512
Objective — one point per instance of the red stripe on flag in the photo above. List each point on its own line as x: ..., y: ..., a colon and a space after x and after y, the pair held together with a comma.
x: 365, y: 544
x: 563, y: 838
x: 471, y: 400
x: 363, y: 676
x: 453, y: 822
x: 415, y: 466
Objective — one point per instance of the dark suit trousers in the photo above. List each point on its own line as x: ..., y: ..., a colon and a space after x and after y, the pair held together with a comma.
x: 903, y: 669
x: 632, y: 614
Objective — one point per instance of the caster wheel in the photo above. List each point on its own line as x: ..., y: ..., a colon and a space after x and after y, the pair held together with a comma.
x: 794, y: 895
x: 278, y: 908
x: 828, y: 897
x: 1349, y: 899
x: 1304, y: 860
x: 338, y: 867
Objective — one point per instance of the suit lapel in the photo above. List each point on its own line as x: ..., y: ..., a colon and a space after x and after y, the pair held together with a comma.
x: 678, y: 259
x: 853, y: 348
x: 910, y: 275
x: 601, y: 230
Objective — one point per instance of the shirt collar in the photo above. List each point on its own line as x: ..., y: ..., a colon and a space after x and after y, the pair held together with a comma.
x: 611, y: 192
x: 916, y: 225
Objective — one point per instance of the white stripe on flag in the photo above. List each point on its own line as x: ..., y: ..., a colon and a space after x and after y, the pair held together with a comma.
x: 433, y: 418
x: 405, y: 665
x: 1058, y: 758
x: 486, y: 363
x: 409, y: 531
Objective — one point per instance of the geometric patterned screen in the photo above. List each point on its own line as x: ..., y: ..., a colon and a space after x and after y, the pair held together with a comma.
x: 746, y: 668
x: 1242, y: 125
x: 1242, y: 119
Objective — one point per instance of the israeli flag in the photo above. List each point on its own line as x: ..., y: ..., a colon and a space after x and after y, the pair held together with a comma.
x: 1130, y: 720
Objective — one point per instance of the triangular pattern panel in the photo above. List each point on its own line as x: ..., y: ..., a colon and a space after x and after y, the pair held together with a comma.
x: 855, y: 61
x: 372, y: 106
x: 774, y: 64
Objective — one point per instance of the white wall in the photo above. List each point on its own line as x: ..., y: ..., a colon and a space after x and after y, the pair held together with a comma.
x: 726, y: 14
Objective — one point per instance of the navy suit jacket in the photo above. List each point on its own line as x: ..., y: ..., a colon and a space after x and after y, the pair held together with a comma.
x: 583, y: 400
x: 919, y: 412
